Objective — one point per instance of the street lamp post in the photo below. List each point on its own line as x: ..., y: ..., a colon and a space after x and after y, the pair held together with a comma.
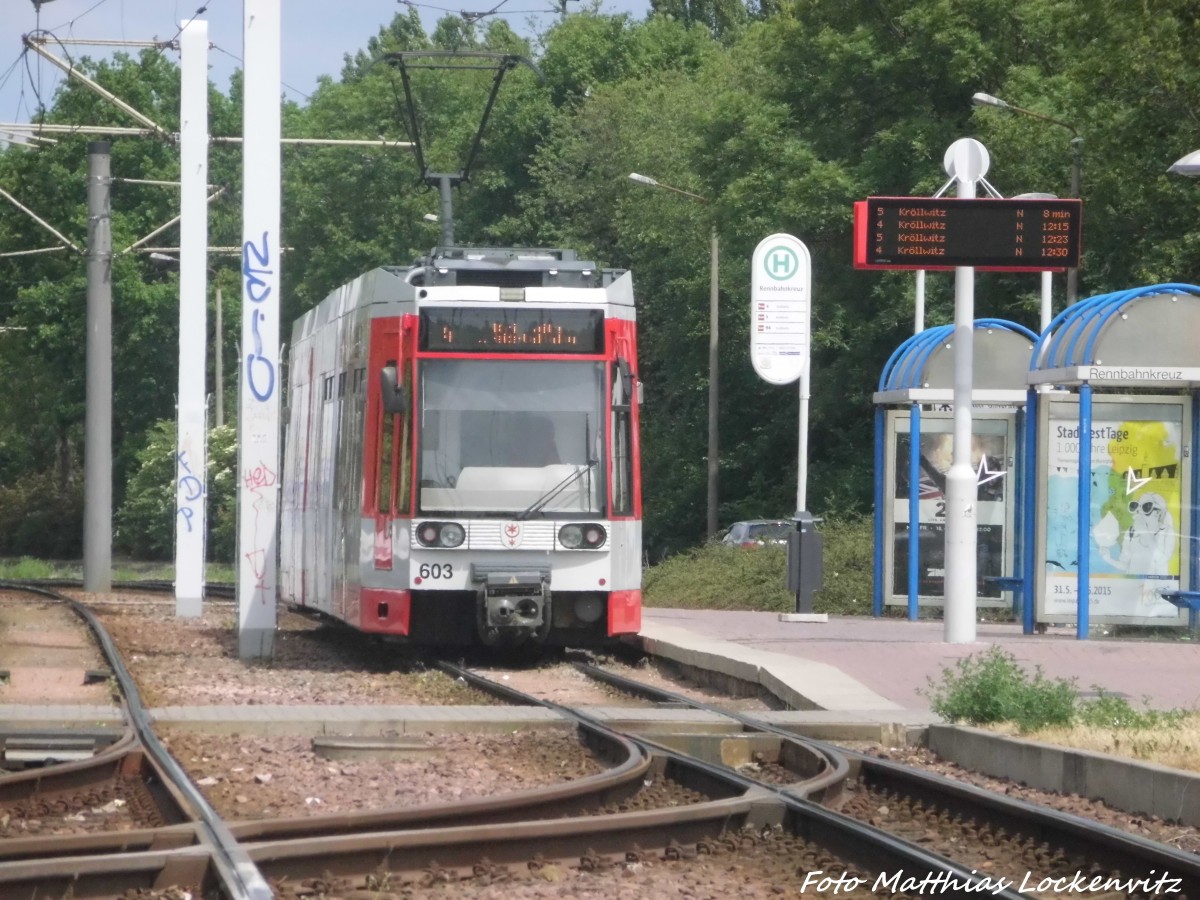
x: 1047, y: 308
x: 982, y: 99
x: 713, y: 356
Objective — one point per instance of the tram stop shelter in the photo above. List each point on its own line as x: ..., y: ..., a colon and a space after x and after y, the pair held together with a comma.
x: 1111, y: 511
x: 913, y: 450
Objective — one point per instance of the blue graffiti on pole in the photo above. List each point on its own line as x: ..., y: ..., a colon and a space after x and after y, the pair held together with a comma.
x: 260, y: 371
x: 192, y: 489
x: 258, y: 289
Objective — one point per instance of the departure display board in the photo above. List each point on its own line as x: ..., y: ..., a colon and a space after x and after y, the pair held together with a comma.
x: 526, y: 330
x: 943, y: 233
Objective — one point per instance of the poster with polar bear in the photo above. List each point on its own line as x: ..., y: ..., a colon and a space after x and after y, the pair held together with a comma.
x: 1134, y: 515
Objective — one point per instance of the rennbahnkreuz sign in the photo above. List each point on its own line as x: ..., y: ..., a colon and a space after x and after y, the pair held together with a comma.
x: 1159, y: 376
x: 780, y: 308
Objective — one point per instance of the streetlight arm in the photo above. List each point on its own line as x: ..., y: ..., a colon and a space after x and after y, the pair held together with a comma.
x: 1061, y: 124
x: 982, y: 99
x: 646, y: 179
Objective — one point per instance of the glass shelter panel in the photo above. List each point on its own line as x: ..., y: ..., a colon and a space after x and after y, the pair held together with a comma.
x: 992, y: 442
x: 511, y: 437
x: 1137, y: 519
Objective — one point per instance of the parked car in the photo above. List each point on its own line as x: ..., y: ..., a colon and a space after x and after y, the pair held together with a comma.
x: 758, y: 532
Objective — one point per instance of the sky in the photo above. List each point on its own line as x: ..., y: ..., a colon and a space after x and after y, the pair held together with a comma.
x: 316, y: 34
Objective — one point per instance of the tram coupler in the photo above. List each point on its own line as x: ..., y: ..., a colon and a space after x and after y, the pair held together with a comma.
x: 513, y: 604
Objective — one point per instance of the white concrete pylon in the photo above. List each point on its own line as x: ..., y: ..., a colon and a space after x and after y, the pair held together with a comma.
x: 258, y: 414
x: 191, y: 451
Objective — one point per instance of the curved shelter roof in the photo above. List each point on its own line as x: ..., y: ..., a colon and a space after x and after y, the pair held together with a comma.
x: 921, y: 370
x: 1141, y: 337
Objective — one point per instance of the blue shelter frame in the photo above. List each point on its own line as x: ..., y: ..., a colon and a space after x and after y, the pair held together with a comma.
x: 1132, y: 340
x: 920, y: 373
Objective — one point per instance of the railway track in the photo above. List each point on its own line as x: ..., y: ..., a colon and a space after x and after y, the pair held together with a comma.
x: 644, y: 808
x: 1023, y: 845
x: 139, y: 767
x: 815, y: 819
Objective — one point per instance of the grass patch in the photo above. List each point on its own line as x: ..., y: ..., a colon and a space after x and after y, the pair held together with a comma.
x: 1172, y: 741
x: 1109, y: 711
x: 29, y: 569
x: 719, y: 577
x: 992, y: 690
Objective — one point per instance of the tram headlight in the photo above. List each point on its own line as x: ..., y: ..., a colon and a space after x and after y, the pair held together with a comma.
x: 453, y: 535
x: 441, y: 534
x: 582, y: 536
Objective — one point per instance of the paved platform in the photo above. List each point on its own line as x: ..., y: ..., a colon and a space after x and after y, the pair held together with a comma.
x: 882, y: 665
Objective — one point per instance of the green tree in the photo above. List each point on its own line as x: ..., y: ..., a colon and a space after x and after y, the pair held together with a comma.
x: 41, y: 430
x: 145, y: 521
x: 780, y: 113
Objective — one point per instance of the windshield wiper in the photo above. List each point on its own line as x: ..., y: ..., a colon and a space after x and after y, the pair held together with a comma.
x: 541, y: 501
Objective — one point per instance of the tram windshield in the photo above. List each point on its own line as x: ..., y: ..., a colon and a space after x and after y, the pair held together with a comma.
x: 511, y: 437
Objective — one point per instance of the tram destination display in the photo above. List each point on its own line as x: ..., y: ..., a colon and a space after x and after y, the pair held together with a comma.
x: 943, y: 233
x: 533, y: 330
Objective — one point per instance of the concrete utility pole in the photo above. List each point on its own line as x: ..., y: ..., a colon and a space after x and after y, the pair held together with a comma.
x: 219, y: 359
x: 191, y: 448
x: 97, y: 440
x: 258, y: 419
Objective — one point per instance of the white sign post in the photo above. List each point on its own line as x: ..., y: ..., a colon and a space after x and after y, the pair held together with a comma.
x: 780, y: 314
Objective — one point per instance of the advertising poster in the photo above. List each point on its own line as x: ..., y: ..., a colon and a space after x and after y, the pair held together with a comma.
x: 989, y: 454
x: 1136, y: 491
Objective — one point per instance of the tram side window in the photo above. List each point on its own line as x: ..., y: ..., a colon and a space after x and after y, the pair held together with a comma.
x: 395, y: 457
x: 622, y: 439
x: 387, y: 465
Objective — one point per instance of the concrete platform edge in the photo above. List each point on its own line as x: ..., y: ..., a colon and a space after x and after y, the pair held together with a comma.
x: 800, y: 683
x: 1135, y: 787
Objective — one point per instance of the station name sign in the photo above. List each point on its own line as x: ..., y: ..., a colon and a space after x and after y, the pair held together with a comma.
x: 943, y: 233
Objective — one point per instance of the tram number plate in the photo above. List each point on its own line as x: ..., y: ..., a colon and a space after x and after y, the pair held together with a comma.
x: 436, y: 570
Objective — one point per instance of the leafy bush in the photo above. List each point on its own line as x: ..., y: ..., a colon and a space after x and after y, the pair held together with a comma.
x: 41, y: 517
x: 849, y: 567
x: 145, y: 523
x: 992, y: 687
x: 1108, y: 711
x: 719, y: 577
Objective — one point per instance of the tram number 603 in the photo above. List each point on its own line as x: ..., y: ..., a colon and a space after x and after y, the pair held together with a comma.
x: 436, y: 570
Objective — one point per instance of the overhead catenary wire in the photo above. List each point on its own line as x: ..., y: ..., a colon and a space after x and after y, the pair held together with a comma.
x: 199, y: 12
x: 239, y: 61
x: 70, y: 23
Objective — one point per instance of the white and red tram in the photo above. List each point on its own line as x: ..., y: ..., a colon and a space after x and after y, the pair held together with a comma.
x: 461, y: 454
